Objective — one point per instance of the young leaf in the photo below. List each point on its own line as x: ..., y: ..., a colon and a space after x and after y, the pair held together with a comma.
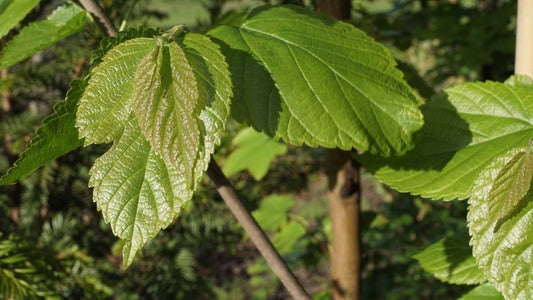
x: 254, y: 152
x: 510, y: 187
x: 465, y: 127
x: 137, y: 184
x: 351, y: 98
x: 483, y: 292
x: 502, y: 249
x: 214, y: 90
x: 57, y: 136
x: 109, y: 42
x: 107, y: 101
x: 13, y: 12
x: 165, y: 101
x: 451, y: 260
x: 64, y: 21
x: 137, y: 192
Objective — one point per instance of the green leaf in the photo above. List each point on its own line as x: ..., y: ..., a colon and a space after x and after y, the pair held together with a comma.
x: 465, y: 127
x: 520, y: 80
x: 13, y: 12
x: 166, y: 106
x: 107, y: 101
x: 502, y: 249
x: 136, y: 191
x: 289, y: 238
x: 137, y: 187
x: 483, y: 292
x: 510, y: 187
x: 451, y: 260
x: 353, y: 97
x: 64, y: 21
x: 214, y: 90
x: 57, y: 136
x: 109, y: 42
x: 253, y: 151
x: 272, y: 211
x: 256, y: 100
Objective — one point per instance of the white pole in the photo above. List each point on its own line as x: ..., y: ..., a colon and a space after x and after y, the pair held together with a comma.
x: 524, y: 38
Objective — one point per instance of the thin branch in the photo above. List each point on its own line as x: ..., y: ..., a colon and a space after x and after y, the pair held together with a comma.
x: 255, y: 232
x: 99, y: 16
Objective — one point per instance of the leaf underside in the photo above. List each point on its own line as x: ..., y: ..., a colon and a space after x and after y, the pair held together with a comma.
x: 64, y: 21
x: 465, y: 127
x: 164, y: 113
x: 502, y: 249
x: 351, y: 98
x: 57, y: 136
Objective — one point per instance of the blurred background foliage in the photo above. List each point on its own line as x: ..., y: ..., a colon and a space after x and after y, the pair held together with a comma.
x: 55, y: 245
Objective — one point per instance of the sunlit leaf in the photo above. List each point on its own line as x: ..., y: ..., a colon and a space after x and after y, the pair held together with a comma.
x: 136, y: 191
x: 510, y: 187
x: 353, y: 97
x: 253, y: 152
x: 107, y: 101
x: 166, y: 105
x: 141, y: 182
x: 272, y: 211
x: 64, y: 21
x: 502, y: 249
x: 13, y: 11
x: 465, y: 127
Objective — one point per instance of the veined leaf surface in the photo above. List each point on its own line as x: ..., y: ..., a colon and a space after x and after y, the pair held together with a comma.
x: 465, y: 127
x: 256, y: 100
x: 502, y: 249
x: 165, y: 103
x: 107, y: 101
x: 141, y: 182
x: 353, y: 97
x: 510, y: 187
x: 64, y: 21
x: 214, y: 91
x: 137, y: 192
x: 57, y: 136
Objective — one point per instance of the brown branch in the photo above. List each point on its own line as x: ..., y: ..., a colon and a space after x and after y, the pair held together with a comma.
x: 257, y: 235
x: 99, y: 16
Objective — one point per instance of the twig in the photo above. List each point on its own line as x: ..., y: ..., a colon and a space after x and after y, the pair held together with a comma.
x: 99, y: 16
x: 227, y: 193
x: 257, y: 235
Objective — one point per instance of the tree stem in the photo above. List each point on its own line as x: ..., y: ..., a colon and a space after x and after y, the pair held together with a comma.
x: 524, y: 38
x: 255, y: 232
x: 344, y: 201
x: 100, y: 17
